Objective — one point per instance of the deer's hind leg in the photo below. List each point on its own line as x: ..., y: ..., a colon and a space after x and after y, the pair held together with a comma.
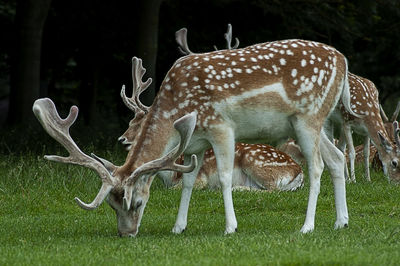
x: 334, y: 160
x: 308, y: 138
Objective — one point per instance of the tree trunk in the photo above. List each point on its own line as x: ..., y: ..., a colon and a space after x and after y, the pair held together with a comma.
x: 147, y: 44
x: 25, y: 75
x: 89, y: 67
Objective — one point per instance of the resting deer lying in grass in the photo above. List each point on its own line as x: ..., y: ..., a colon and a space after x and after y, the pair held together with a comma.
x: 269, y: 91
x: 256, y: 166
x: 384, y: 136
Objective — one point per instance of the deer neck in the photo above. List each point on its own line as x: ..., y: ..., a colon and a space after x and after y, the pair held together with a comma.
x: 364, y: 101
x: 155, y: 137
x: 373, y: 128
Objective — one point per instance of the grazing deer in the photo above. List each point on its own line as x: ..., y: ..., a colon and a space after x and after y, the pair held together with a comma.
x: 364, y: 101
x: 264, y: 91
x: 112, y: 188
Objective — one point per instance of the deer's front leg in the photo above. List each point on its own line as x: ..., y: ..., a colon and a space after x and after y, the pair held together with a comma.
x: 352, y: 152
x: 224, y: 149
x: 366, y: 158
x: 342, y: 147
x: 309, y: 140
x: 187, y: 187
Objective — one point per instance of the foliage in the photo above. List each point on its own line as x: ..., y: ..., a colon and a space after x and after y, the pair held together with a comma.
x: 92, y: 42
x: 41, y: 224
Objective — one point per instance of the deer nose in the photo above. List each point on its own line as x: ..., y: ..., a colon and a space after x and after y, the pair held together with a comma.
x: 122, y: 139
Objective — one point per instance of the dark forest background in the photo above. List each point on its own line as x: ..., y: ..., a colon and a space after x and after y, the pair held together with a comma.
x: 79, y: 51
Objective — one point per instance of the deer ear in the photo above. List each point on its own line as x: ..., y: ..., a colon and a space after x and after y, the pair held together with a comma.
x: 384, y: 142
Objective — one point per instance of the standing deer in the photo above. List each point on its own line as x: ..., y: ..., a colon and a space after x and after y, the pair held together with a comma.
x: 364, y: 101
x: 264, y: 91
x: 364, y: 96
x: 256, y: 166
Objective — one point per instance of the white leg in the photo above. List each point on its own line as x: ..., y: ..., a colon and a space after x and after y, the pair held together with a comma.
x: 224, y: 150
x: 308, y: 139
x: 334, y: 159
x: 187, y: 187
x: 366, y: 158
x: 342, y: 147
x: 352, y: 152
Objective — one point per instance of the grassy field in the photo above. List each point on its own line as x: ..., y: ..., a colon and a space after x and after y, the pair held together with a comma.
x: 41, y: 224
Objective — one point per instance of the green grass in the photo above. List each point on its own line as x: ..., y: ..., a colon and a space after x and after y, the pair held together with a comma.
x: 41, y: 224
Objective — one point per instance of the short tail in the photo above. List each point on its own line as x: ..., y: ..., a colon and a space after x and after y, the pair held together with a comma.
x: 345, y: 97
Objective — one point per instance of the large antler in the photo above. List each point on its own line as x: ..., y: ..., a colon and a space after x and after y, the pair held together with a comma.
x: 139, y: 86
x: 383, y: 115
x: 394, y: 116
x: 58, y: 128
x: 185, y: 127
x: 228, y: 38
x: 396, y: 112
x: 181, y: 39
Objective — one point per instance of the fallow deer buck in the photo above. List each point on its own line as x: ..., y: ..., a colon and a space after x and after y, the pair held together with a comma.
x: 257, y: 166
x: 264, y: 91
x: 364, y: 101
x: 215, y: 78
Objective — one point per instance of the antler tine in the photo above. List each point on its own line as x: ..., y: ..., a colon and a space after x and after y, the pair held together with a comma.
x: 139, y: 86
x: 396, y: 131
x: 396, y: 112
x: 129, y: 102
x: 185, y: 127
x: 181, y: 39
x: 383, y: 115
x: 228, y: 38
x: 58, y: 128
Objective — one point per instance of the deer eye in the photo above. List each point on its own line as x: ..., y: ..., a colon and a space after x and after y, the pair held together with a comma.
x: 394, y: 164
x: 138, y: 204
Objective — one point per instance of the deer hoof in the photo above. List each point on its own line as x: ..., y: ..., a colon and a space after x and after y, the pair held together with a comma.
x: 339, y: 225
x: 178, y: 229
x: 229, y: 230
x: 307, y: 229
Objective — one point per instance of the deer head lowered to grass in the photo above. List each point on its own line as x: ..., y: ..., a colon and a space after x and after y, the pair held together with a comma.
x: 264, y: 91
x: 383, y: 134
x: 112, y: 176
